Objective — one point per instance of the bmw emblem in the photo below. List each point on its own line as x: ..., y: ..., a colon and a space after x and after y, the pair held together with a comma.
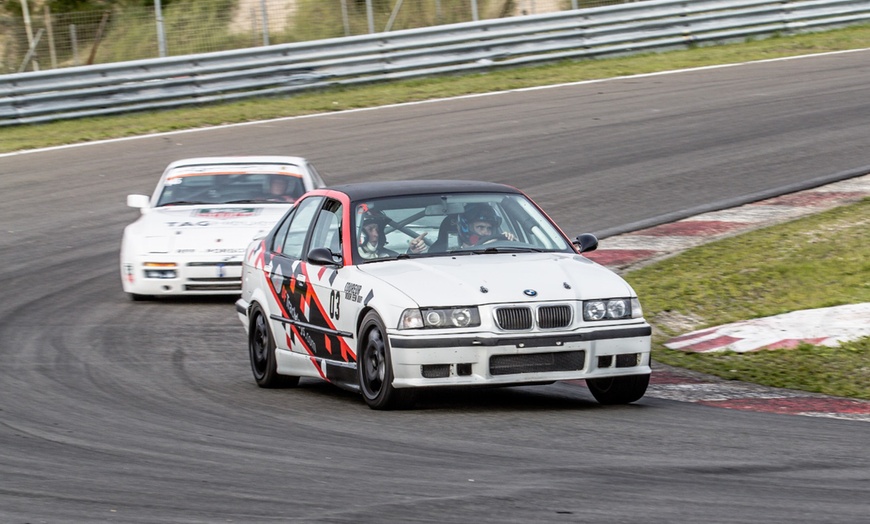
x: 530, y: 292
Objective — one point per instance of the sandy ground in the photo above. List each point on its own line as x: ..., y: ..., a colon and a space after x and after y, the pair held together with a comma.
x: 249, y: 14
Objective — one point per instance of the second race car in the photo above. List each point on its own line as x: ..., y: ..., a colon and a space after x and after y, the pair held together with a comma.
x: 193, y: 230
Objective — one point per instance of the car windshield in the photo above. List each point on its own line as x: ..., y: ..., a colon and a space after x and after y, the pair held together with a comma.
x: 232, y: 184
x: 452, y: 224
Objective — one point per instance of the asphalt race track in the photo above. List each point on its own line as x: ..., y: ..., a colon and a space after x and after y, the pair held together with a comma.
x: 114, y: 411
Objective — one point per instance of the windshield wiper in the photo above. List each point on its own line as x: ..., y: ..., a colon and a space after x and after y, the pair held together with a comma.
x: 184, y: 203
x: 496, y: 250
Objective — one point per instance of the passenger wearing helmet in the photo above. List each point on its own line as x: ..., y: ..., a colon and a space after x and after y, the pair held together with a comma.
x: 478, y: 224
x: 372, y: 238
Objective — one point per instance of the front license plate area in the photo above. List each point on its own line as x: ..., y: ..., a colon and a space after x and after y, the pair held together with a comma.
x: 537, y: 362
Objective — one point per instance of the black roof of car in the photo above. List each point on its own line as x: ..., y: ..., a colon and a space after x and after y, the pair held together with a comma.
x: 367, y: 190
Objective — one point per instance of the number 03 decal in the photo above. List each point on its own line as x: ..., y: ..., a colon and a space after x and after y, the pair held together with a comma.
x: 334, y: 301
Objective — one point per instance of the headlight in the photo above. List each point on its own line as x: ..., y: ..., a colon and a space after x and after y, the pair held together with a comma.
x: 411, y: 319
x: 159, y: 269
x: 611, y: 309
x: 450, y: 317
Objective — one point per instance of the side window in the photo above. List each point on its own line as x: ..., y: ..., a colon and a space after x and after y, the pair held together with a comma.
x: 299, y: 226
x: 315, y: 176
x: 281, y: 232
x: 327, y: 231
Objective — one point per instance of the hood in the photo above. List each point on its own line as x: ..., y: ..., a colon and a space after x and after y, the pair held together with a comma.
x: 445, y: 281
x: 219, y: 229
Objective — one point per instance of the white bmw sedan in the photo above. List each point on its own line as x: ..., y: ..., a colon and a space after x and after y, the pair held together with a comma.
x: 388, y: 287
x: 194, y: 228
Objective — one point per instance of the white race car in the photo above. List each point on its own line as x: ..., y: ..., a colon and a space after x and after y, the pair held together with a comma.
x: 204, y: 212
x: 387, y: 287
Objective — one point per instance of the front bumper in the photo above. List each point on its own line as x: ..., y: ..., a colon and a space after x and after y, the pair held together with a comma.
x: 194, y: 276
x: 511, y: 359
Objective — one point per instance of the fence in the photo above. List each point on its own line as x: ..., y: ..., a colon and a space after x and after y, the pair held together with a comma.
x: 133, y: 32
x: 472, y: 46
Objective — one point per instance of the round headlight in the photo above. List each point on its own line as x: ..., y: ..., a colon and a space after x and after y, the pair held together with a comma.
x: 461, y: 317
x: 434, y: 318
x: 616, y: 308
x: 594, y: 310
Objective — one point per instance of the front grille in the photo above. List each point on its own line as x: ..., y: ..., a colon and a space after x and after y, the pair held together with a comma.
x: 435, y: 370
x: 537, y: 362
x: 550, y: 317
x: 514, y: 318
x: 627, y: 361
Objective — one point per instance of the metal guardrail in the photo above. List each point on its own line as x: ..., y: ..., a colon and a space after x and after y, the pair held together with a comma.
x: 289, y: 68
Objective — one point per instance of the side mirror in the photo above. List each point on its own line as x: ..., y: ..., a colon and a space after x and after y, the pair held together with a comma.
x: 138, y: 201
x: 586, y: 242
x: 321, y: 256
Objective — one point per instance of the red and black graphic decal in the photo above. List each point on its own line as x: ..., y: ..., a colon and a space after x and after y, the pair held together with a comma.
x: 294, y: 292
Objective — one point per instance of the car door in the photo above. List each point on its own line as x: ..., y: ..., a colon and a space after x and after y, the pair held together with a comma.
x: 287, y: 276
x: 331, y: 309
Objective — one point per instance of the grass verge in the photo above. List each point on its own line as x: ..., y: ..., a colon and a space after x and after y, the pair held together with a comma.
x: 14, y: 138
x: 818, y: 261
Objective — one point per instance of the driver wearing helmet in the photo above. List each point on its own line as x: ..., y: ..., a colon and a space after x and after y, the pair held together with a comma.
x: 280, y: 189
x: 478, y: 224
x: 372, y: 238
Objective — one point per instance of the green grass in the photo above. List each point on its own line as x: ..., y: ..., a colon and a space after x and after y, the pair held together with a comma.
x: 819, y: 261
x: 13, y: 138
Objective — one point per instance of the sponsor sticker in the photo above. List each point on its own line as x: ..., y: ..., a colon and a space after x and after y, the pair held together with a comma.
x: 223, y: 213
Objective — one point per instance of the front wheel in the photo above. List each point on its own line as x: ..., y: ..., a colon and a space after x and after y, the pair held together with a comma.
x: 375, y: 368
x: 261, y: 347
x: 618, y: 390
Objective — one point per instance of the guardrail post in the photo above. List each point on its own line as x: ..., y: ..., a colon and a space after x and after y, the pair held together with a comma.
x: 74, y: 43
x: 31, y: 52
x: 345, y: 19
x: 161, y: 38
x: 29, y: 29
x: 371, y: 16
x: 265, y: 22
x: 52, y: 52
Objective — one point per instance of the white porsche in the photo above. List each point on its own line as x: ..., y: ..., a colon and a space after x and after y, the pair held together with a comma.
x: 204, y: 212
x: 384, y: 288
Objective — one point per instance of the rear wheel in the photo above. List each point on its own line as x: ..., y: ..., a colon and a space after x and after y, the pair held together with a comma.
x: 261, y: 347
x: 618, y: 390
x: 375, y: 368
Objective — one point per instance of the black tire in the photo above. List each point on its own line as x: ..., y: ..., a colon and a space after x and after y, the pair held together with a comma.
x: 135, y: 297
x: 375, y: 368
x: 618, y: 390
x: 261, y: 348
